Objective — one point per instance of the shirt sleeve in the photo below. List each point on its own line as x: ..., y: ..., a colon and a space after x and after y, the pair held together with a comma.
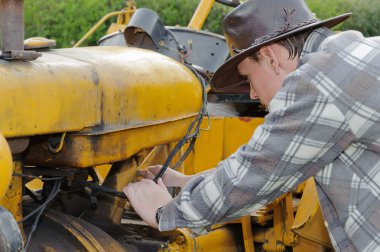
x: 303, y: 132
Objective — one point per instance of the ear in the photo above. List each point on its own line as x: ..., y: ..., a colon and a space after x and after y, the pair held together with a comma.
x: 268, y: 53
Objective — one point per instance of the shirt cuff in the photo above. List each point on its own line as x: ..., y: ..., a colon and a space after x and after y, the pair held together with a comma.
x: 167, y: 219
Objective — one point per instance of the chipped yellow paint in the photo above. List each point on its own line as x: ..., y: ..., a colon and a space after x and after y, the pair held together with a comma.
x: 13, y: 197
x: 6, y: 168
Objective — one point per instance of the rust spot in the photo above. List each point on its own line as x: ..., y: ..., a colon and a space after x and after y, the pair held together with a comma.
x: 245, y: 119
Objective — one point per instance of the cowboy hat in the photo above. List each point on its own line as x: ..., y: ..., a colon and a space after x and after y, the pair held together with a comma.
x: 256, y: 23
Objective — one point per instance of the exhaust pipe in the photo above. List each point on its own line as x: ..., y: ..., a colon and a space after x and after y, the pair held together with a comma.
x: 12, y: 31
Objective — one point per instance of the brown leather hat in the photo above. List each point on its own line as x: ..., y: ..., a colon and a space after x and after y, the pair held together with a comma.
x: 260, y: 22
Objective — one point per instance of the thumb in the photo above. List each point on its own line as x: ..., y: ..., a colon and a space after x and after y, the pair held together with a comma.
x: 161, y: 184
x: 154, y: 169
x: 145, y: 173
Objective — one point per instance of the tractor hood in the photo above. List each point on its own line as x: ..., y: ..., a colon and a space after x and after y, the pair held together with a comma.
x: 95, y: 90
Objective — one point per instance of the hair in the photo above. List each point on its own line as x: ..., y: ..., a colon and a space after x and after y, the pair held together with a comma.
x: 294, y: 45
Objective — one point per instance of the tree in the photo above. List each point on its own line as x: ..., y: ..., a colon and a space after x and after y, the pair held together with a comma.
x: 67, y: 21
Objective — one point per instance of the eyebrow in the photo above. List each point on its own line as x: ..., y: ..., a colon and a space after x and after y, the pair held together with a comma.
x: 242, y: 75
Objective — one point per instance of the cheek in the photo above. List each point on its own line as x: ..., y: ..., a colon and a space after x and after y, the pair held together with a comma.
x: 260, y: 76
x: 257, y: 83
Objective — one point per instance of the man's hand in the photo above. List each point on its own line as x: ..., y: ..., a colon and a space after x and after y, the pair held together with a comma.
x: 146, y: 197
x: 170, y: 177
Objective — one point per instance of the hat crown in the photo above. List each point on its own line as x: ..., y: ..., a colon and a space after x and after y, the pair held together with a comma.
x: 255, y: 20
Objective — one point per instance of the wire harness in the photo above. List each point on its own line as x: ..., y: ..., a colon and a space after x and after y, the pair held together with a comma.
x: 192, y: 132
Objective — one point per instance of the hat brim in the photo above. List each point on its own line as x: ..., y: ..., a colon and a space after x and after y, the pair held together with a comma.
x: 227, y: 79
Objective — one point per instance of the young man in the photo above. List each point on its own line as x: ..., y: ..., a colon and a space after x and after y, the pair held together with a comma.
x: 322, y: 91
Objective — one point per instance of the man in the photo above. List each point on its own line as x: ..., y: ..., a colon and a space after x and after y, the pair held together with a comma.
x: 322, y: 91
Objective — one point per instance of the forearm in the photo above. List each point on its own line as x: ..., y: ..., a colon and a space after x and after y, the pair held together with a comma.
x: 184, y: 180
x: 201, y: 173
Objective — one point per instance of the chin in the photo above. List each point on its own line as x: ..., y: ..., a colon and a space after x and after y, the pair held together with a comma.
x: 264, y: 105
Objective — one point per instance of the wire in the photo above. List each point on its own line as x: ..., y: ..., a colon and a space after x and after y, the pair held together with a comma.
x: 208, y: 122
x: 192, y: 132
x: 100, y: 188
x: 53, y: 193
x: 184, y: 156
x: 36, y: 177
x: 50, y: 197
x: 60, y: 145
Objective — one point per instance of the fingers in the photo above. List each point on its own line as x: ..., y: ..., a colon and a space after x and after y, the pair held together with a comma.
x: 141, y: 173
x: 154, y: 169
x: 134, y: 188
x: 147, y: 181
x: 161, y: 184
x: 150, y: 172
x: 146, y: 197
x: 145, y: 173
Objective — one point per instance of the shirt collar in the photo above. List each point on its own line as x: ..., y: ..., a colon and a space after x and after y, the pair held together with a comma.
x: 314, y: 40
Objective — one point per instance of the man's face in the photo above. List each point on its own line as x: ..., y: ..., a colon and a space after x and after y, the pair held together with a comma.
x: 267, y: 75
x: 263, y: 84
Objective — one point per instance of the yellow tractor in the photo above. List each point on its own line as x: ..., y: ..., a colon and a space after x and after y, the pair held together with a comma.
x: 77, y: 123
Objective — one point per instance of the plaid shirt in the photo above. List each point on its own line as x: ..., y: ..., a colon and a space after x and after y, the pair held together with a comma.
x: 324, y: 122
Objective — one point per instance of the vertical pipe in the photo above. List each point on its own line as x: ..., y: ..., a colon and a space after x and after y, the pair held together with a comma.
x: 12, y: 25
x: 201, y: 13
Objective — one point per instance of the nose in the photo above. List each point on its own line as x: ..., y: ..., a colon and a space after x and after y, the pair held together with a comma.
x: 252, y: 93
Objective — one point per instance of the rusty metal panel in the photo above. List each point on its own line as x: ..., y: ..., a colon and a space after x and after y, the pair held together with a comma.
x: 84, y: 150
x: 13, y: 197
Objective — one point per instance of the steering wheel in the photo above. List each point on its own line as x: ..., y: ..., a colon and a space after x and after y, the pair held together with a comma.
x: 231, y: 3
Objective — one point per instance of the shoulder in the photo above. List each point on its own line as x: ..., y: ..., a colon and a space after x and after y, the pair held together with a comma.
x: 349, y: 41
x: 345, y: 37
x: 340, y: 55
